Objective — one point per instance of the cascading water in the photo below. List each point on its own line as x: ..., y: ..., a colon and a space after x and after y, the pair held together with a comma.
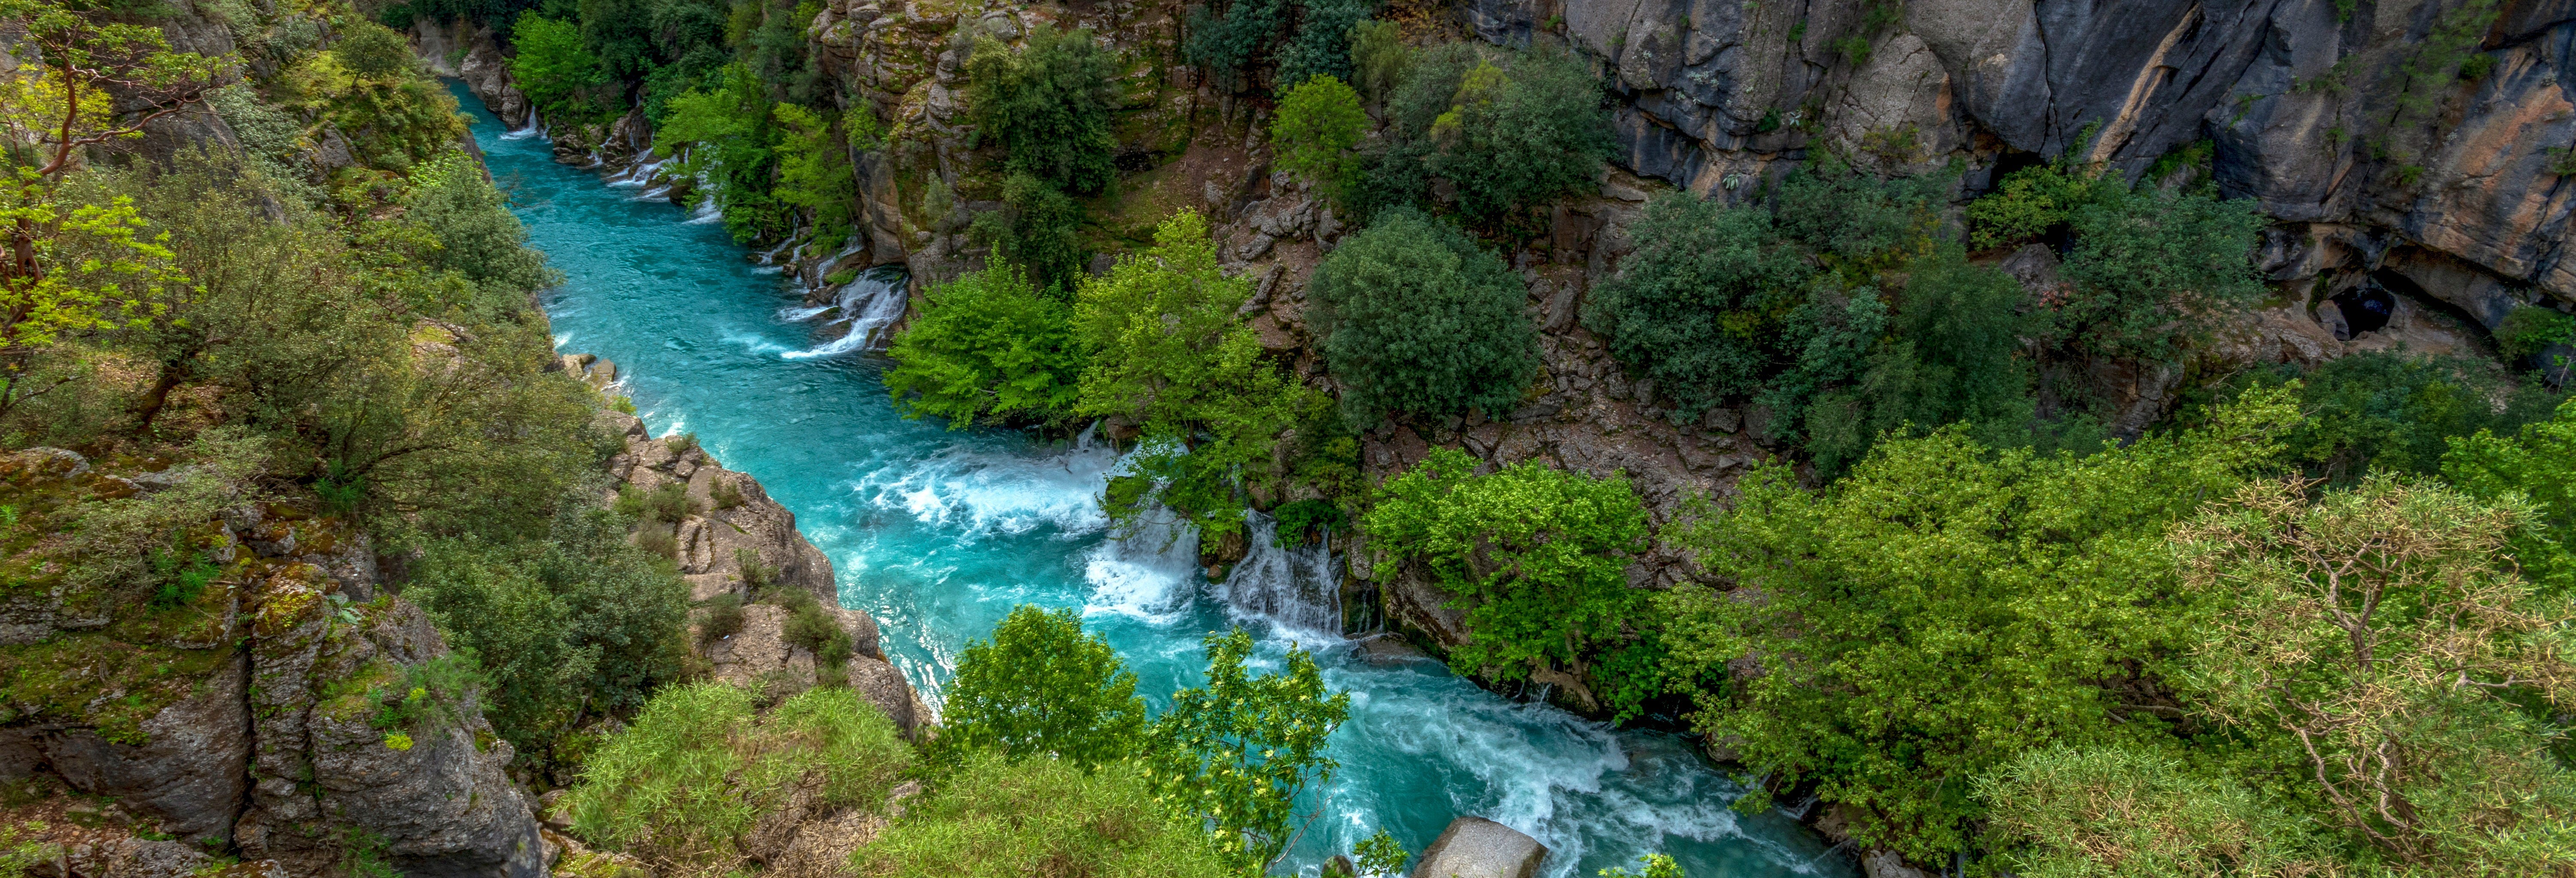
x: 938, y: 533
x: 867, y: 305
x: 1297, y: 587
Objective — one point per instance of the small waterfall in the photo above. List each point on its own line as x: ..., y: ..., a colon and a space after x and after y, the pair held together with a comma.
x: 1296, y: 587
x: 869, y: 304
x: 707, y: 212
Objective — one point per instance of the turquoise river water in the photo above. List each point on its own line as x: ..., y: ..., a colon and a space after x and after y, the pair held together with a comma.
x: 939, y: 533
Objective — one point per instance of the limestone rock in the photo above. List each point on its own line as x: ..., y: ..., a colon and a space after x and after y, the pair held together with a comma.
x: 1474, y: 847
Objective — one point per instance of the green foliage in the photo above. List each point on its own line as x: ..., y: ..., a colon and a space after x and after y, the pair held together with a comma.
x: 1235, y: 751
x: 1856, y: 224
x: 2394, y: 413
x: 1379, y: 58
x: 112, y: 543
x: 20, y: 849
x: 1702, y: 306
x: 1170, y: 354
x: 1536, y: 556
x: 1508, y: 129
x: 477, y: 237
x: 578, y: 621
x: 1416, y: 318
x: 2032, y: 202
x: 1944, y: 608
x: 986, y: 347
x: 555, y: 68
x: 1299, y: 520
x: 998, y: 818
x: 814, y: 171
x: 1380, y: 854
x: 1038, y: 229
x: 1322, y: 44
x: 2150, y: 269
x: 2529, y: 330
x: 424, y: 698
x: 2127, y: 812
x: 728, y: 135
x: 1653, y: 865
x: 184, y: 576
x: 1318, y: 126
x: 371, y: 50
x: 2387, y: 631
x: 1949, y: 357
x: 1041, y: 687
x: 1225, y: 38
x: 2538, y: 464
x: 812, y: 628
x: 1048, y: 106
x: 697, y: 768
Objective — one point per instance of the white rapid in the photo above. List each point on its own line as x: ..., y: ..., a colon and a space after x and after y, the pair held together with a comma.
x: 1297, y: 587
x: 868, y: 305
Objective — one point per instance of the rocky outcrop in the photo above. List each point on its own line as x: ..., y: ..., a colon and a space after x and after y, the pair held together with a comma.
x: 251, y: 717
x: 1474, y: 847
x: 466, y: 50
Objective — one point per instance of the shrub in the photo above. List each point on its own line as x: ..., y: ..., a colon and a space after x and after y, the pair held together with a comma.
x: 1379, y: 58
x: 1048, y: 106
x: 1509, y: 129
x: 1036, y: 229
x: 371, y: 50
x: 1041, y: 687
x: 1299, y: 518
x: 2389, y: 412
x: 1949, y: 357
x: 987, y: 347
x: 1322, y: 44
x: 723, y: 619
x: 1227, y: 37
x: 1416, y: 318
x: 1235, y: 752
x: 1858, y: 224
x: 1319, y: 123
x: 2152, y: 268
x: 554, y: 67
x: 697, y: 769
x: 814, y: 171
x: 1700, y: 308
x: 668, y: 504
x: 996, y: 817
x: 1538, y: 557
x: 2030, y: 203
x: 2528, y: 330
x: 1170, y: 353
x: 2127, y: 812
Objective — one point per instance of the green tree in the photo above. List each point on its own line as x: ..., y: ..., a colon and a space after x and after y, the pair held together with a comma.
x: 1236, y: 751
x: 1508, y: 129
x: 1949, y: 356
x: 995, y: 817
x: 1228, y: 37
x: 555, y: 68
x: 1416, y: 318
x: 2538, y: 463
x: 814, y: 172
x: 1319, y: 124
x: 1700, y: 308
x: 2387, y: 632
x: 2127, y: 812
x: 2384, y: 411
x: 1379, y: 58
x: 1653, y: 866
x: 1538, y: 557
x: 731, y: 141
x: 1169, y: 354
x: 2151, y: 268
x: 1039, y: 229
x: 1041, y: 687
x: 987, y: 346
x: 1945, y: 607
x: 1380, y: 855
x: 1048, y: 106
x: 2033, y: 202
x: 1321, y: 45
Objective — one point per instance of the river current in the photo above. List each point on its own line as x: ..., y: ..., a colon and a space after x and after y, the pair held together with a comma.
x: 939, y: 533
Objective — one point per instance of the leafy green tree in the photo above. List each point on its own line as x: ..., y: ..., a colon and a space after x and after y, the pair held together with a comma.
x: 371, y: 50
x: 1538, y: 557
x: 814, y: 172
x: 1857, y: 224
x: 1653, y: 866
x: 1319, y: 124
x: 2391, y: 412
x: 2033, y: 202
x: 1038, y: 228
x: 477, y: 237
x: 698, y: 768
x: 2128, y: 812
x: 1041, y: 687
x: 1379, y: 58
x: 1322, y: 43
x: 2538, y: 463
x: 996, y: 817
x: 1944, y: 608
x: 555, y: 68
x: 987, y: 346
x: 1949, y: 356
x: 1416, y: 318
x: 2150, y: 268
x: 1380, y: 855
x: 2387, y: 632
x: 1236, y: 751
x: 1508, y: 129
x: 1048, y: 106
x: 1169, y: 354
x: 727, y: 136
x: 1228, y: 37
x: 1700, y: 307
x: 2529, y: 330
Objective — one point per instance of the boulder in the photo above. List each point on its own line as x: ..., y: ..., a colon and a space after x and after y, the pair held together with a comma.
x: 1474, y: 847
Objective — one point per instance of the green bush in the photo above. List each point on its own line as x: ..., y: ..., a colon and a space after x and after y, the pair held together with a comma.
x: 1047, y: 106
x: 1858, y: 224
x: 2006, y: 600
x: 1538, y: 557
x: 1234, y: 752
x: 1701, y: 306
x: 2538, y: 463
x: 726, y: 133
x: 2030, y: 203
x: 1170, y: 354
x: 1508, y: 129
x: 1037, y: 229
x: 2152, y: 269
x: 555, y: 68
x: 996, y: 818
x: 2127, y: 812
x: 1416, y: 318
x: 1319, y: 124
x: 814, y: 171
x: 1322, y: 44
x: 1041, y: 687
x: 2390, y: 412
x: 697, y: 769
x: 1379, y: 58
x: 2528, y: 330
x: 371, y: 50
x: 987, y: 347
x: 1950, y: 356
x: 1227, y: 37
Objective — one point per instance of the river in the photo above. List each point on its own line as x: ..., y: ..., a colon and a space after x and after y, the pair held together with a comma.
x: 938, y: 533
